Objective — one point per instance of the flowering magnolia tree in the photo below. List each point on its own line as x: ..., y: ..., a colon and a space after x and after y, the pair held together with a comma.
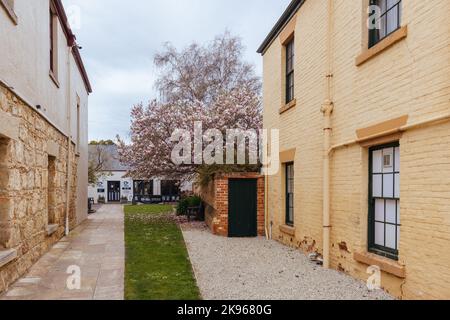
x: 210, y: 85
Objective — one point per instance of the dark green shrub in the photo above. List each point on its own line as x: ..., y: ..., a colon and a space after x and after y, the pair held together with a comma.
x: 182, y: 206
x: 187, y: 202
x: 194, y: 201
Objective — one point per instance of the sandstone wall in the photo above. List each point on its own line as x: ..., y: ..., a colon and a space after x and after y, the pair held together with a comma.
x: 32, y: 190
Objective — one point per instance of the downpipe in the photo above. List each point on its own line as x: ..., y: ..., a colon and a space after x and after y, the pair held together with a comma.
x: 69, y: 140
x: 327, y: 110
x: 268, y: 220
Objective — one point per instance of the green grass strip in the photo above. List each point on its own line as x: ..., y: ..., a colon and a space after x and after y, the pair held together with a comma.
x: 157, y: 261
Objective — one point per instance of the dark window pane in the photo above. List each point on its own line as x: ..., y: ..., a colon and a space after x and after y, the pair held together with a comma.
x: 290, y: 194
x: 388, y: 22
x: 290, y: 50
x: 170, y: 189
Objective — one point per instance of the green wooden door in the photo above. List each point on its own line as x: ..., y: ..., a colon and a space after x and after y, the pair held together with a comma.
x: 242, y: 208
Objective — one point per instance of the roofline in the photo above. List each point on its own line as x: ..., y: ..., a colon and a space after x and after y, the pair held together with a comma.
x: 71, y: 42
x: 288, y: 14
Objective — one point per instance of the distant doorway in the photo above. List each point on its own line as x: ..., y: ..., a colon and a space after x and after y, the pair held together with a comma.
x: 113, y: 191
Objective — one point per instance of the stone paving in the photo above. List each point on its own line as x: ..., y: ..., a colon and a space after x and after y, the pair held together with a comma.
x: 96, y: 247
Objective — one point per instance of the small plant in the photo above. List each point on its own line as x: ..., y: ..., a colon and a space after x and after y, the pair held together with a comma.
x: 186, y: 203
x: 182, y: 207
x: 123, y: 200
x: 101, y: 199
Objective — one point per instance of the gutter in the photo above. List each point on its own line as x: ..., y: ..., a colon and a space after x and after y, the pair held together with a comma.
x: 71, y: 40
x: 291, y: 10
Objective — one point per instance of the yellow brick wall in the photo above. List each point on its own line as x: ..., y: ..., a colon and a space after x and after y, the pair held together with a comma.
x: 410, y: 78
x: 294, y: 131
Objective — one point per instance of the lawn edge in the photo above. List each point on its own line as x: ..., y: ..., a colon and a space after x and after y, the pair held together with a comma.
x: 194, y: 271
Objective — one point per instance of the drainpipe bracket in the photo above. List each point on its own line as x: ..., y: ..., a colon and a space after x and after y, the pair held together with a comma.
x: 327, y: 108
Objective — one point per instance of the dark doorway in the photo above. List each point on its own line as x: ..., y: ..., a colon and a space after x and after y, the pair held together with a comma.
x: 242, y: 208
x: 5, y: 222
x: 51, y: 190
x: 113, y: 191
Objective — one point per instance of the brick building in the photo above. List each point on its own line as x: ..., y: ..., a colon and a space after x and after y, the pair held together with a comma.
x: 234, y: 204
x: 44, y: 92
x: 364, y: 124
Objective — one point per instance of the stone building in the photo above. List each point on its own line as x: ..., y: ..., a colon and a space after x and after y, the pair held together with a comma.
x: 44, y: 92
x: 362, y: 101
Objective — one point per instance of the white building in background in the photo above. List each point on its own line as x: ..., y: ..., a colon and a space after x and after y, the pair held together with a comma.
x: 114, y: 185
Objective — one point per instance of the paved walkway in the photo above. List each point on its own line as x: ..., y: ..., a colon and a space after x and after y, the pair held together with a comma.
x: 96, y: 247
x: 254, y: 269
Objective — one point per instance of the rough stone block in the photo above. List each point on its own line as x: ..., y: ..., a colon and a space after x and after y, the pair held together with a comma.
x: 7, y: 256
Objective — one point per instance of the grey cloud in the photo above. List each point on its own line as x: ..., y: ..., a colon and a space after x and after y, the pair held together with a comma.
x: 119, y: 39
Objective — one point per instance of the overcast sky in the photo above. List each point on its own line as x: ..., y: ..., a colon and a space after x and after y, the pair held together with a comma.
x: 119, y: 39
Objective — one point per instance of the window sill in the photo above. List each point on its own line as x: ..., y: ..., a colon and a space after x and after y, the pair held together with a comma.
x: 289, y: 230
x: 10, y: 11
x: 54, y: 79
x: 385, y: 264
x: 288, y: 106
x: 7, y: 256
x: 384, y: 44
x: 51, y: 229
x: 9, y: 126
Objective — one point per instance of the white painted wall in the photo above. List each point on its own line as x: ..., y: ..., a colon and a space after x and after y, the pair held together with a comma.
x: 187, y: 186
x: 25, y: 65
x: 119, y: 176
x: 103, y: 184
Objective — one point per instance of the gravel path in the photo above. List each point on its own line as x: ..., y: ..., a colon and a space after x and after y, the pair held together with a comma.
x: 257, y: 269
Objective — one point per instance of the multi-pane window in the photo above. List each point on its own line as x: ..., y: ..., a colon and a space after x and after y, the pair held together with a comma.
x: 290, y: 194
x: 53, y: 34
x: 384, y: 211
x: 143, y: 188
x: 78, y: 127
x: 388, y: 21
x: 290, y: 54
x: 170, y: 190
